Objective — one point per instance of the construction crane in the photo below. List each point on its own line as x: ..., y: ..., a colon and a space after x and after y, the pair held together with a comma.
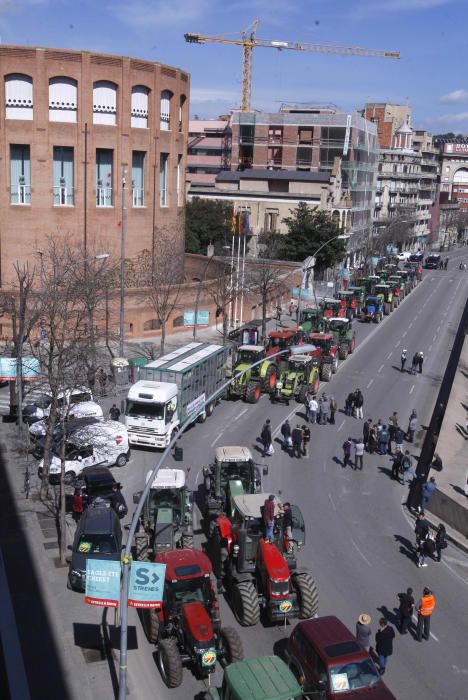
x: 249, y: 41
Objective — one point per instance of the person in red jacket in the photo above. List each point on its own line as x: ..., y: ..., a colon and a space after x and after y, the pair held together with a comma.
x: 269, y: 517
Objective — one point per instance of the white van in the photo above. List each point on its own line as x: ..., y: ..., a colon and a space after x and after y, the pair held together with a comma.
x: 41, y: 407
x: 103, y: 443
x: 76, y: 412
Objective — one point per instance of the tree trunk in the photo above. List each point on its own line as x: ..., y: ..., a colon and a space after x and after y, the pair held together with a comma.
x: 62, y: 505
x: 225, y: 327
x: 48, y: 450
x: 264, y: 311
x: 163, y: 337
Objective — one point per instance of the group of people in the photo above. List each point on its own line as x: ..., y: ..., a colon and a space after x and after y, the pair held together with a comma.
x: 428, y: 544
x: 116, y: 501
x: 295, y: 441
x: 354, y: 404
x: 285, y: 514
x: 320, y: 410
x: 416, y: 362
x: 386, y: 634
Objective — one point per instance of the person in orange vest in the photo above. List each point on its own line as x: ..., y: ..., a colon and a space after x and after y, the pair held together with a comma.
x: 426, y: 607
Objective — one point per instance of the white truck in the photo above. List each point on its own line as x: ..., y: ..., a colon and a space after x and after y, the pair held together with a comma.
x: 171, y: 389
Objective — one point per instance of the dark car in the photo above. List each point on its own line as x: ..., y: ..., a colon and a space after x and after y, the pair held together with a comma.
x: 98, y: 536
x: 415, y: 257
x: 432, y: 262
x: 330, y: 663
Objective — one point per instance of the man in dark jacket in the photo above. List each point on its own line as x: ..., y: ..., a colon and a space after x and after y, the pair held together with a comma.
x: 297, y: 441
x: 384, y: 643
x: 365, y: 432
x: 305, y: 440
x: 358, y: 403
x: 347, y: 447
x: 396, y: 464
x: 406, y: 609
x: 265, y: 437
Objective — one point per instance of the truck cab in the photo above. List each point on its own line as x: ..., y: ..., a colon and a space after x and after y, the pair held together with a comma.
x: 151, y: 414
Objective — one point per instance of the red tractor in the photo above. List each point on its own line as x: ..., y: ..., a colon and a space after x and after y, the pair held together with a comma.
x: 332, y: 307
x: 186, y: 626
x: 260, y: 575
x: 281, y: 340
x: 326, y: 352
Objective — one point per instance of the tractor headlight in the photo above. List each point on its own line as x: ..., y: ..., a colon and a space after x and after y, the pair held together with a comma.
x: 235, y: 550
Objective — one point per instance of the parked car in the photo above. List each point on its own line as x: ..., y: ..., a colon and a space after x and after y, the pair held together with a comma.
x: 33, y: 412
x: 330, y: 663
x: 104, y: 443
x: 403, y: 256
x: 98, y: 536
x: 38, y: 438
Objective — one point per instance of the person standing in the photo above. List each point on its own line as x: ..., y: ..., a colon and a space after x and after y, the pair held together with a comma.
x: 313, y: 408
x: 333, y: 409
x: 383, y: 440
x: 428, y: 491
x: 414, y: 363
x: 286, y: 434
x: 358, y: 403
x: 288, y: 526
x: 359, y: 454
x: 307, y: 404
x: 372, y: 439
x: 426, y: 607
x: 394, y: 419
x: 407, y: 466
x: 399, y: 437
x: 412, y: 425
x: 446, y: 263
x: 77, y: 505
x: 365, y: 432
x: 403, y: 358
x: 297, y: 441
x: 420, y: 361
x: 347, y: 446
x: 269, y: 517
x: 265, y: 437
x: 102, y: 381
x: 406, y: 609
x: 440, y: 542
x: 325, y: 412
x: 364, y: 630
x: 114, y: 413
x: 384, y: 643
x: 396, y: 464
x: 305, y: 440
x: 349, y: 404
x: 436, y: 463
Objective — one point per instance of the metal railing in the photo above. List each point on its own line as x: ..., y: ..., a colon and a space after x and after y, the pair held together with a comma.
x: 63, y: 196
x: 20, y: 194
x: 104, y: 196
x: 138, y: 195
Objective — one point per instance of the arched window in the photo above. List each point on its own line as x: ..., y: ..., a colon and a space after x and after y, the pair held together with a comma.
x: 62, y: 99
x: 140, y: 107
x: 461, y: 177
x: 152, y: 325
x: 165, y: 116
x: 104, y: 102
x: 178, y: 321
x: 18, y: 96
x: 181, y: 111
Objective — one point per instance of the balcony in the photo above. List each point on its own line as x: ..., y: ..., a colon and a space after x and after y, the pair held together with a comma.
x: 63, y: 196
x: 138, y: 197
x: 103, y: 196
x: 20, y: 194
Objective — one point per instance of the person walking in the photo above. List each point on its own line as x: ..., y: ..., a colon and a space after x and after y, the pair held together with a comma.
x: 286, y: 435
x: 406, y: 609
x: 305, y: 440
x: 403, y: 358
x: 365, y: 432
x: 265, y: 438
x: 297, y: 441
x: 446, y: 263
x: 114, y: 413
x: 313, y: 408
x: 325, y: 412
x: 359, y: 454
x: 319, y: 410
x: 396, y: 464
x: 347, y: 447
x: 399, y: 437
x: 440, y: 542
x: 421, y: 528
x: 117, y: 501
x: 407, y: 467
x: 333, y: 409
x: 383, y: 441
x: 414, y: 363
x: 269, y: 517
x: 364, y: 630
x: 358, y: 403
x: 306, y: 404
x: 428, y: 491
x: 420, y: 361
x: 77, y: 505
x: 412, y: 425
x: 349, y: 404
x: 426, y: 607
x: 384, y: 643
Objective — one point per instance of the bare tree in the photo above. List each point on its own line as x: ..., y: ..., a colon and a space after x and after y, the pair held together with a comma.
x: 222, y: 291
x: 163, y: 295
x: 265, y: 279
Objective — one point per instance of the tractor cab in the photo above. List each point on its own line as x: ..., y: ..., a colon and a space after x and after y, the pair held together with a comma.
x: 348, y: 298
x: 373, y: 309
x: 398, y: 285
x: 343, y: 334
x: 300, y: 375
x: 358, y: 294
x: 282, y: 340
x: 167, y: 512
x: 248, y: 354
x: 338, y: 325
x: 391, y: 268
x: 252, y: 380
x: 231, y: 474
x: 312, y: 320
x: 370, y: 283
x: 332, y: 307
x: 385, y: 293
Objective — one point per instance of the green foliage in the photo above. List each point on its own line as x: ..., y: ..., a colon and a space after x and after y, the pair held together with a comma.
x: 308, y: 229
x: 207, y: 221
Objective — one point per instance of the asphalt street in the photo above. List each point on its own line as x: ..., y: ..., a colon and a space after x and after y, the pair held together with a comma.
x: 359, y: 536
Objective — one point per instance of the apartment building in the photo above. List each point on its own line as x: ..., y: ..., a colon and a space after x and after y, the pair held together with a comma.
x: 454, y: 171
x: 209, y: 150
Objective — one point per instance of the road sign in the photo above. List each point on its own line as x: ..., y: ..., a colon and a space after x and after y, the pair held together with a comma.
x: 43, y: 334
x: 102, y: 582
x: 29, y: 367
x: 146, y: 584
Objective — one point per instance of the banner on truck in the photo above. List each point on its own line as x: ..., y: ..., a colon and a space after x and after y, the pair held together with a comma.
x: 29, y: 366
x: 102, y: 582
x: 196, y: 406
x: 146, y: 584
x: 203, y: 318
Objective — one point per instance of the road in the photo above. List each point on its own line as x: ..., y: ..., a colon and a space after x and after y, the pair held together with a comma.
x: 358, y: 533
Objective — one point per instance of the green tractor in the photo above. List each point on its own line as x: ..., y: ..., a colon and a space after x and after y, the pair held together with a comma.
x: 359, y: 296
x: 385, y: 292
x: 256, y: 379
x: 301, y: 375
x: 263, y: 678
x: 311, y: 320
x: 344, y: 335
x: 369, y: 283
x: 398, y: 285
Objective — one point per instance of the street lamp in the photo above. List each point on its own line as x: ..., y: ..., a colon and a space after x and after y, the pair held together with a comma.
x: 310, y: 264
x: 122, y: 270
x: 126, y: 557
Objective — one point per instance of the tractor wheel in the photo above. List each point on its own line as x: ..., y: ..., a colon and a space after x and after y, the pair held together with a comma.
x: 150, y: 622
x: 252, y: 393
x: 386, y: 309
x: 187, y: 541
x: 270, y: 379
x: 307, y: 595
x: 232, y: 645
x: 245, y: 604
x: 302, y: 393
x: 326, y: 373
x: 343, y: 352
x: 141, y: 548
x: 334, y: 365
x: 352, y: 345
x: 169, y: 662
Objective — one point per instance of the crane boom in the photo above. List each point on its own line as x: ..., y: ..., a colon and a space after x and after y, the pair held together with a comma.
x: 250, y: 41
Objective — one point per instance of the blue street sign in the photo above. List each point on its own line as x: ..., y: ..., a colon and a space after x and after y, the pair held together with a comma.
x: 102, y: 581
x: 306, y: 294
x: 146, y: 584
x: 43, y: 334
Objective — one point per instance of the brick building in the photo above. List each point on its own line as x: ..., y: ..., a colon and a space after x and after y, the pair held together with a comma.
x: 209, y: 150
x: 75, y: 124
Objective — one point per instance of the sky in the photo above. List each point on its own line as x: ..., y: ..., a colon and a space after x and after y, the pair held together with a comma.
x: 431, y: 36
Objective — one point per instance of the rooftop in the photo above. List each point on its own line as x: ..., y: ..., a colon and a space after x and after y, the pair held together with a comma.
x: 266, y: 174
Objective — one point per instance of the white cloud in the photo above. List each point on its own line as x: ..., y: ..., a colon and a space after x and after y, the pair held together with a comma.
x: 209, y: 94
x: 456, y: 118
x: 455, y: 96
x: 150, y: 14
x: 372, y: 7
